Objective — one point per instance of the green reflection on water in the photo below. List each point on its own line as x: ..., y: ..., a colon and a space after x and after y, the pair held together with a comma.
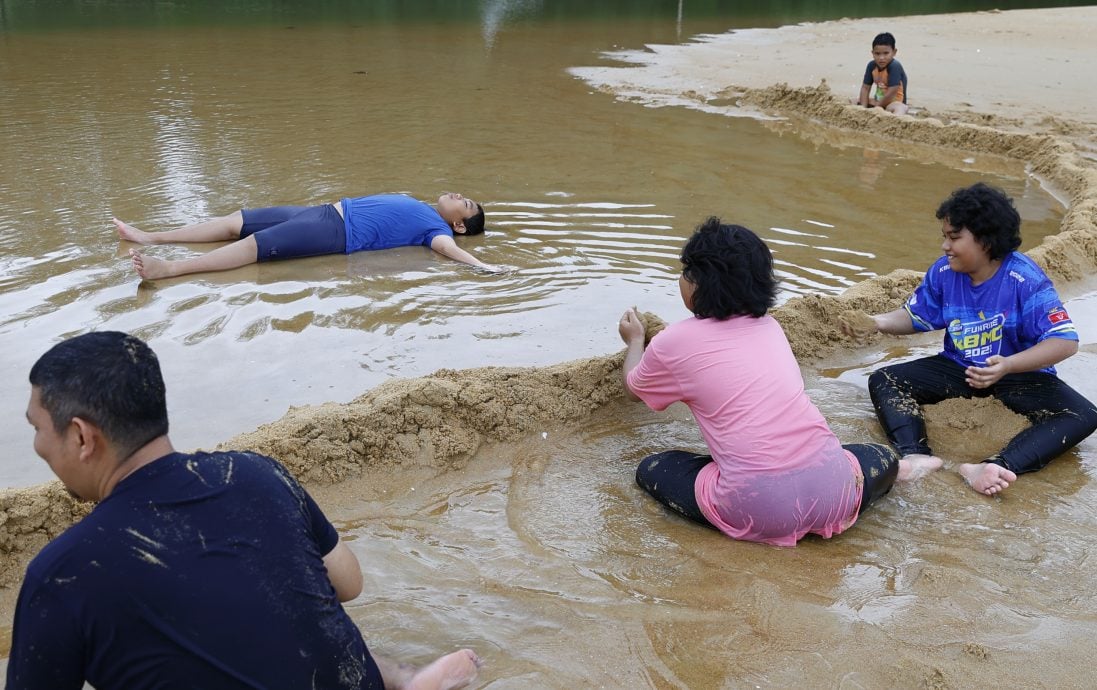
x: 38, y: 15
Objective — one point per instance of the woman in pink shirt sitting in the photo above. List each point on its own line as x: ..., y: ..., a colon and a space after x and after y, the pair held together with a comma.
x: 774, y: 471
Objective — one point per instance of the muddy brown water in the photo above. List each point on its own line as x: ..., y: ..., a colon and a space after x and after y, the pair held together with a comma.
x: 541, y: 554
x: 589, y: 198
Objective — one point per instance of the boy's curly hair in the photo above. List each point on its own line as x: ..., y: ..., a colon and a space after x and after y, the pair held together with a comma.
x: 731, y: 270
x: 988, y: 213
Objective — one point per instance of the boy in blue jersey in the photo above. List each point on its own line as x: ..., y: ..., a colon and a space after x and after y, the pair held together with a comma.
x: 357, y: 224
x: 885, y: 81
x: 1005, y: 329
x: 203, y: 570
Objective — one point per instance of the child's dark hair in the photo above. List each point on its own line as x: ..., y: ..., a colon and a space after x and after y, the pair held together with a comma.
x: 474, y: 225
x: 731, y: 270
x: 884, y: 39
x: 988, y: 213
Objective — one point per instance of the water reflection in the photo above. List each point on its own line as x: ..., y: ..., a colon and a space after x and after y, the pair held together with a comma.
x: 495, y: 13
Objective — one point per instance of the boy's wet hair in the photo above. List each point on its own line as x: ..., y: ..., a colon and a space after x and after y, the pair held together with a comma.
x: 108, y: 378
x: 731, y: 270
x: 474, y: 225
x: 988, y: 214
x: 884, y: 39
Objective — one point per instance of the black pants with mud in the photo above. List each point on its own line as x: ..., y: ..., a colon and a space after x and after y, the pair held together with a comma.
x: 670, y: 476
x: 1060, y: 416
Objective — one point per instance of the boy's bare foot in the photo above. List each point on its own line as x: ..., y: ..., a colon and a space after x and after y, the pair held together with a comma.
x: 149, y: 267
x: 451, y: 671
x: 131, y: 234
x: 986, y: 477
x: 916, y: 466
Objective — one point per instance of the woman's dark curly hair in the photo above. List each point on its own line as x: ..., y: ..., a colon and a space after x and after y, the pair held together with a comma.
x: 988, y: 214
x: 731, y: 270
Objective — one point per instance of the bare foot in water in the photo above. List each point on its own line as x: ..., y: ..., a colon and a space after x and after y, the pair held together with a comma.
x: 916, y: 466
x: 449, y: 672
x: 986, y: 477
x: 149, y: 267
x: 131, y: 234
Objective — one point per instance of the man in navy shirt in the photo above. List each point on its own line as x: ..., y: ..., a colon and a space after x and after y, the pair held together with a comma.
x: 211, y: 570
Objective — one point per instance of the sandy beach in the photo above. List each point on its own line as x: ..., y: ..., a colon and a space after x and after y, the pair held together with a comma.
x: 1002, y: 84
x: 1011, y: 70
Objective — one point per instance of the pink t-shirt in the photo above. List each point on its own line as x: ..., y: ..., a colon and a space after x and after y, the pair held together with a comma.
x: 778, y: 472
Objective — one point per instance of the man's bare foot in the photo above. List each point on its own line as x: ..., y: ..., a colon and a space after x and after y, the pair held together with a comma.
x: 131, y: 234
x: 916, y: 466
x: 986, y: 477
x: 149, y: 267
x: 451, y: 671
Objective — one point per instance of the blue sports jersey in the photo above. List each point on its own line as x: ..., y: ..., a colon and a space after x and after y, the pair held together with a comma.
x: 383, y: 221
x: 1014, y: 310
x: 197, y: 571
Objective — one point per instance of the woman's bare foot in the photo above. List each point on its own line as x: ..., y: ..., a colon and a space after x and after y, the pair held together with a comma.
x: 451, y: 671
x: 131, y: 234
x: 986, y: 477
x: 916, y: 466
x: 149, y: 267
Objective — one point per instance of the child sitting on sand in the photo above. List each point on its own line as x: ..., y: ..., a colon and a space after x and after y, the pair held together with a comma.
x: 885, y: 82
x: 1005, y: 330
x: 774, y: 471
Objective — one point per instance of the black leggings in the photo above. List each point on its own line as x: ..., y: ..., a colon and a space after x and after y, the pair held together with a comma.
x: 670, y: 477
x: 1059, y: 415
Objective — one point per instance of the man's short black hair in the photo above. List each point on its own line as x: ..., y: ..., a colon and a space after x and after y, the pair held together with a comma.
x: 988, y: 213
x: 884, y: 39
x: 474, y: 225
x: 108, y: 378
x: 731, y: 270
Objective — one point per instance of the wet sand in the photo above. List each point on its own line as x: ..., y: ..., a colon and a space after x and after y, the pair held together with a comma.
x: 949, y: 588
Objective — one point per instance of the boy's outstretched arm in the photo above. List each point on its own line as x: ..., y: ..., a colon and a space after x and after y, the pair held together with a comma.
x: 859, y: 325
x: 444, y: 245
x: 896, y: 322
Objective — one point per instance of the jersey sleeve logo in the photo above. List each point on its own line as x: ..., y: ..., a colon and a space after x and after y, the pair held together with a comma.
x: 1057, y: 315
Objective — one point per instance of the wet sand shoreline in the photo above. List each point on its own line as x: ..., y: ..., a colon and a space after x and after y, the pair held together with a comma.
x: 438, y: 422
